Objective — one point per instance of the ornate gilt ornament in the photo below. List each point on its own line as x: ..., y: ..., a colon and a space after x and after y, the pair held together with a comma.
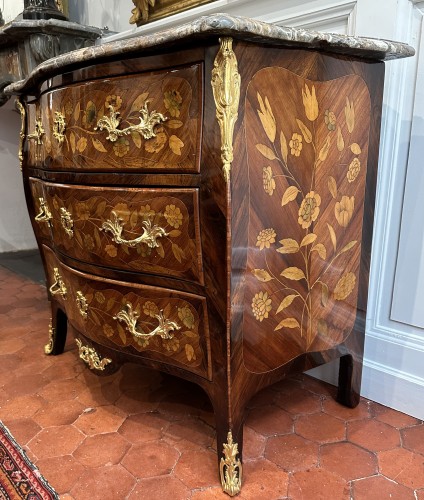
x: 59, y: 127
x: 226, y: 91
x: 67, y: 222
x: 148, y: 122
x: 39, y: 132
x: 163, y: 330
x: 22, y: 111
x: 90, y: 356
x: 151, y: 233
x: 48, y: 348
x: 140, y: 13
x: 44, y: 215
x: 82, y: 304
x: 230, y: 468
x: 58, y: 285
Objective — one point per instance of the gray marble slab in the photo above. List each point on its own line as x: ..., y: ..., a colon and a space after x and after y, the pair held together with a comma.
x: 241, y: 28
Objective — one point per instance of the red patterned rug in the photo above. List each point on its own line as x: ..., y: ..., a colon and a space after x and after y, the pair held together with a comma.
x: 19, y: 478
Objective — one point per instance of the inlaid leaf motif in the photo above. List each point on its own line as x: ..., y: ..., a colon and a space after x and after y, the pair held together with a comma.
x: 321, y: 250
x: 266, y: 151
x: 350, y: 115
x: 133, y: 219
x: 136, y: 137
x: 78, y: 237
x: 289, y: 246
x: 95, y: 318
x: 332, y: 186
x: 307, y: 134
x: 355, y: 148
x: 347, y: 247
x: 176, y: 144
x: 310, y: 103
x: 262, y: 275
x: 322, y: 328
x: 174, y: 233
x: 293, y: 273
x: 324, y: 294
x: 344, y: 286
x: 77, y: 111
x: 284, y: 147
x: 333, y: 236
x: 139, y: 102
x: 173, y: 123
x: 101, y: 207
x: 289, y: 195
x: 98, y: 145
x: 160, y: 250
x: 110, y: 304
x: 287, y: 323
x: 72, y: 141
x: 286, y: 302
x: 340, y: 140
x: 97, y: 238
x: 178, y: 252
x: 191, y: 356
x: 81, y: 144
x: 308, y: 239
x: 325, y: 149
x: 267, y: 117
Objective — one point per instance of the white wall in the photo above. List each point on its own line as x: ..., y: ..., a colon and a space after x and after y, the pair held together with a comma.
x: 11, y: 8
x: 15, y: 228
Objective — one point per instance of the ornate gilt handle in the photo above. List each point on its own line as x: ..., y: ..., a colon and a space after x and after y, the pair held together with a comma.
x: 148, y: 122
x: 90, y: 356
x: 130, y: 317
x: 45, y: 214
x: 151, y: 232
x: 39, y: 132
x: 58, y: 286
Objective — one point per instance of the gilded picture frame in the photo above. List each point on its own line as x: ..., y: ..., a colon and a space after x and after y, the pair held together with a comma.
x: 146, y: 11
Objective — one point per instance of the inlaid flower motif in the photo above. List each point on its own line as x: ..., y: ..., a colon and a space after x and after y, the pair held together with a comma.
x: 146, y: 212
x: 265, y: 238
x: 99, y: 297
x: 172, y: 344
x: 310, y: 103
x: 344, y: 286
x: 90, y: 113
x: 88, y: 242
x: 173, y: 100
x: 121, y: 147
x: 142, y: 342
x: 150, y: 309
x: 330, y: 119
x: 82, y: 211
x: 309, y: 209
x: 122, y: 211
x: 173, y: 216
x: 296, y: 144
x: 108, y: 331
x: 261, y: 305
x: 111, y: 250
x: 268, y: 180
x: 267, y: 118
x: 156, y: 144
x: 344, y: 210
x: 354, y: 169
x: 113, y: 100
x: 186, y: 316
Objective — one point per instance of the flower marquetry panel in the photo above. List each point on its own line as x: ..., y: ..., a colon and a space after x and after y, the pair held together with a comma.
x: 165, y: 325
x: 155, y: 231
x: 307, y: 152
x: 140, y: 122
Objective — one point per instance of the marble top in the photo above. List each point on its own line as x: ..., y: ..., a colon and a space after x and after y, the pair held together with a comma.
x: 241, y: 28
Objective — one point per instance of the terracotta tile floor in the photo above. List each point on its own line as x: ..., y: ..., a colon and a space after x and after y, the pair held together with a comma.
x: 138, y: 434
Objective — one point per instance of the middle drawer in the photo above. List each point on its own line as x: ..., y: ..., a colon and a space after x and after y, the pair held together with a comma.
x: 153, y: 231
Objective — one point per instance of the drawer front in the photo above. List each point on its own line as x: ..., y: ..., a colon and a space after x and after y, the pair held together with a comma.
x: 139, y: 122
x: 155, y: 231
x: 155, y: 323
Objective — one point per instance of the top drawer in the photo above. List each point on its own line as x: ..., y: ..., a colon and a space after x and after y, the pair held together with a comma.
x: 142, y: 122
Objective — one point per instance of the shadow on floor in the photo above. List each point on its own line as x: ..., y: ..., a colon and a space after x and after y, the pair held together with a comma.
x: 25, y: 263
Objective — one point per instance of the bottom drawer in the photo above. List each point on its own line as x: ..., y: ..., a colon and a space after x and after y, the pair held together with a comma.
x: 151, y: 322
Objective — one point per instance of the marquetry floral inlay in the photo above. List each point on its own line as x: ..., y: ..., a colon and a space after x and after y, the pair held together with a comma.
x: 296, y: 280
